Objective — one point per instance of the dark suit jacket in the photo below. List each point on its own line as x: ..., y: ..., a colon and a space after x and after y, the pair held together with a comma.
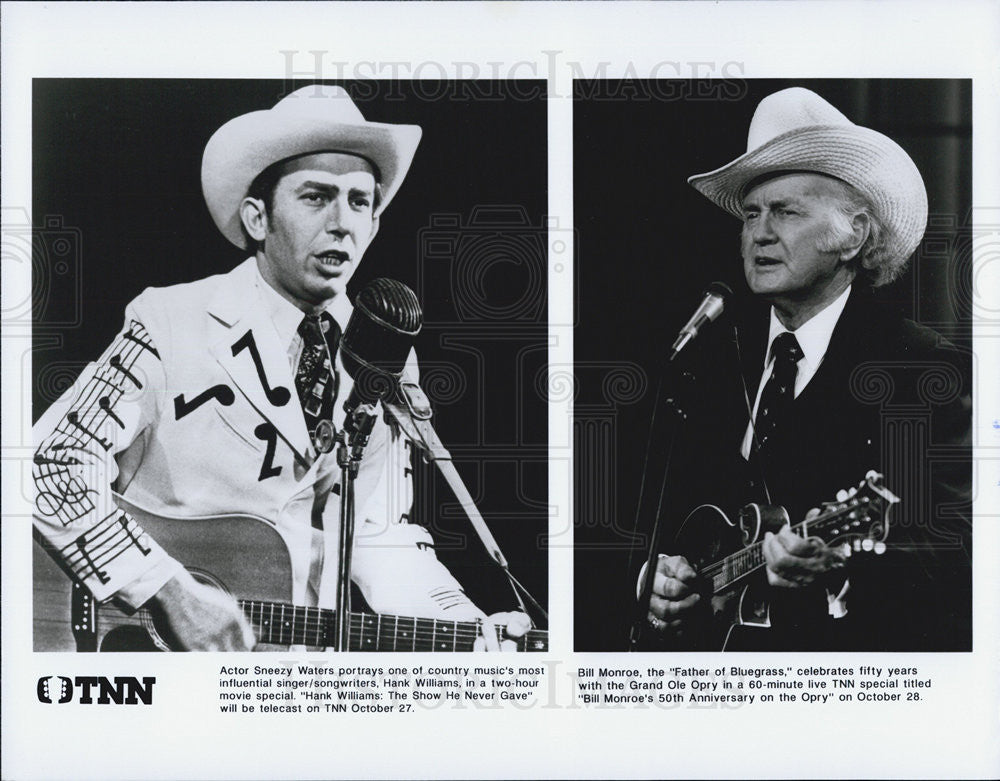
x: 890, y: 395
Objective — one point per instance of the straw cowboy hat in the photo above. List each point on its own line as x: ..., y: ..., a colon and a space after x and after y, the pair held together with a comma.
x: 795, y: 130
x: 317, y: 118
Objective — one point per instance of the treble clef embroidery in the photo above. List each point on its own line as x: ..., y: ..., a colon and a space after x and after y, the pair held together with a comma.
x: 69, y: 501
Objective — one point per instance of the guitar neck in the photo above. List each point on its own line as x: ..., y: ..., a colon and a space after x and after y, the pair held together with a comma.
x: 744, y: 562
x: 727, y: 571
x: 282, y: 624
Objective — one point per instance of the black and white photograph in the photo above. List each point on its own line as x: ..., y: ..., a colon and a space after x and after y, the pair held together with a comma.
x: 775, y: 370
x: 255, y: 293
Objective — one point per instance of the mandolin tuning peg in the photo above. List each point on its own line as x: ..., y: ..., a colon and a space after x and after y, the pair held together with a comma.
x: 841, y: 495
x: 879, y: 548
x: 867, y: 544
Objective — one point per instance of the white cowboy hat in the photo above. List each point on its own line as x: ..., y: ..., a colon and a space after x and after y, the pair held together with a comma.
x: 796, y: 130
x: 317, y: 118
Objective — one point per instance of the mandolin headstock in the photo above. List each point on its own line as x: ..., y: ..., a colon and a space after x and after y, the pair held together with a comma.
x: 857, y: 519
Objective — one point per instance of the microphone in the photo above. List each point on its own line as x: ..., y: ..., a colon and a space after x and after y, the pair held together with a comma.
x: 711, y: 306
x: 374, y: 348
x: 377, y: 341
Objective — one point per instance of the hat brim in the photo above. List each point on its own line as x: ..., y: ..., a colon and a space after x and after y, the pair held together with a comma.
x: 242, y: 148
x: 868, y: 160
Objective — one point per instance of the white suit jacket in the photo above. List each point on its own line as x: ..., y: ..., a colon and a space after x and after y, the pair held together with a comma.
x: 192, y: 411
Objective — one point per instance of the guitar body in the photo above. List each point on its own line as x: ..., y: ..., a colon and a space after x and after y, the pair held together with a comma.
x: 247, y: 558
x: 241, y: 555
x: 708, y: 536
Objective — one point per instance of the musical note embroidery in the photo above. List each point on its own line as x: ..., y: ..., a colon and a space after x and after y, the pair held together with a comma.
x: 131, y: 336
x: 221, y: 393
x: 105, y: 404
x: 73, y: 417
x: 116, y: 363
x: 278, y: 396
x: 60, y: 460
x: 90, y: 553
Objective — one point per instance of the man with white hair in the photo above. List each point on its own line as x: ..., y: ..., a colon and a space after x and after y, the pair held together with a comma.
x: 829, y: 209
x: 221, y: 397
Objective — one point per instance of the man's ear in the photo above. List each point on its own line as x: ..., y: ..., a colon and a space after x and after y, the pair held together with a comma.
x: 376, y: 221
x: 254, y: 217
x: 860, y: 228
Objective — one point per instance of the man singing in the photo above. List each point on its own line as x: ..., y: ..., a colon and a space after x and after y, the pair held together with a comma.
x: 793, y: 416
x: 217, y: 396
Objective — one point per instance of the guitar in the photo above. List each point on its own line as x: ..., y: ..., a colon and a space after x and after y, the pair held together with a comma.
x: 858, y: 523
x: 245, y: 557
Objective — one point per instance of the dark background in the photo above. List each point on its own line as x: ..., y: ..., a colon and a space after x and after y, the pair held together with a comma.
x: 649, y: 243
x: 117, y: 207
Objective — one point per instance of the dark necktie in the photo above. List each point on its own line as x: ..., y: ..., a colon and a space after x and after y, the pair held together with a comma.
x: 315, y: 378
x: 776, y: 400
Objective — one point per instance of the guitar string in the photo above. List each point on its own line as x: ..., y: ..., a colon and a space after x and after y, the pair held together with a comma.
x: 321, y: 629
x: 360, y: 620
x: 303, y: 627
x: 753, y: 551
x: 360, y: 623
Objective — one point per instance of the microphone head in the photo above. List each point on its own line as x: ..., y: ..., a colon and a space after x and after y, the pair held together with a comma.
x: 718, y: 295
x: 393, y: 304
x: 378, y: 338
x: 713, y: 301
x: 720, y: 289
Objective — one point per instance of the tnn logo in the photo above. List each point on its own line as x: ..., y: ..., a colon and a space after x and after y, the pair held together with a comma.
x: 122, y: 691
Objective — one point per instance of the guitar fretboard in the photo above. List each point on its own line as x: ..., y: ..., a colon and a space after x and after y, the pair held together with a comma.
x: 735, y: 566
x: 282, y: 624
x: 855, y: 516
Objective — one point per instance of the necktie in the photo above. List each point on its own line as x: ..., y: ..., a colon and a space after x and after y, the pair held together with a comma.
x: 315, y: 378
x: 776, y: 400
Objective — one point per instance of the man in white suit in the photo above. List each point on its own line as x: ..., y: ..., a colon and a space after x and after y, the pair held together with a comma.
x: 197, y: 407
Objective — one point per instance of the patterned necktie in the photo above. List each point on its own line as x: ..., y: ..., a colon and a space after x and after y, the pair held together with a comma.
x: 315, y: 379
x: 776, y: 400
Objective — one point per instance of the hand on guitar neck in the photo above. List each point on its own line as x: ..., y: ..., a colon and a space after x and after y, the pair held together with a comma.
x: 515, y: 626
x: 793, y: 562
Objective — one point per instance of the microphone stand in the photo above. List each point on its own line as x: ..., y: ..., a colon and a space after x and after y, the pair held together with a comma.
x: 351, y: 442
x: 411, y: 411
x: 666, y: 424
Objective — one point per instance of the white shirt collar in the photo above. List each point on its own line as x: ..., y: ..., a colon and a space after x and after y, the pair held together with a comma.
x: 813, y: 335
x: 287, y: 317
x: 282, y: 312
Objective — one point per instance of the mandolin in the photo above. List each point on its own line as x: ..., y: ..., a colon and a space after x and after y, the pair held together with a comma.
x: 858, y: 523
